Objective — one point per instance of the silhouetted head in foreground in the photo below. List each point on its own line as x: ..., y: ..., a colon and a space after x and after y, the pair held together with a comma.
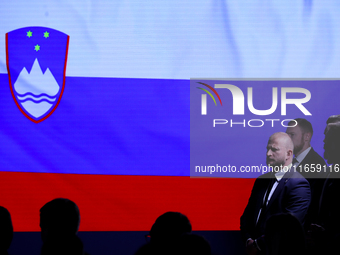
x: 6, y: 230
x: 59, y: 218
x: 284, y: 235
x: 192, y: 244
x: 169, y: 226
x: 165, y: 234
x: 59, y: 223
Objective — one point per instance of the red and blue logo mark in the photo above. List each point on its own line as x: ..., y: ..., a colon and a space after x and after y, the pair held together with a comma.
x: 36, y: 63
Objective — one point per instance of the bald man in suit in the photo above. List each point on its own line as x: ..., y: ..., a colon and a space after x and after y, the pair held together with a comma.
x: 280, y: 191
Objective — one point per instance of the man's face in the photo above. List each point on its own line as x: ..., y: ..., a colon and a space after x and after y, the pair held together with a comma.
x: 276, y: 152
x: 326, y: 143
x: 297, y: 137
x: 330, y: 153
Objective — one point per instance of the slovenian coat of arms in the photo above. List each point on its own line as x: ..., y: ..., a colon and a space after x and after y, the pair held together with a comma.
x: 36, y: 63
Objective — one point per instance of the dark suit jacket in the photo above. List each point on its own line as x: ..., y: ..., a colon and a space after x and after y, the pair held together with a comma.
x: 311, y: 158
x: 329, y: 210
x: 292, y: 195
x: 326, y: 242
x: 315, y: 180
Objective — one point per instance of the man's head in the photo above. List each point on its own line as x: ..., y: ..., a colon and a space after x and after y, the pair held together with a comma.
x: 330, y: 120
x: 59, y: 218
x: 169, y: 227
x: 6, y: 229
x: 279, y: 150
x: 332, y: 143
x: 284, y: 234
x: 301, y: 134
x: 333, y: 119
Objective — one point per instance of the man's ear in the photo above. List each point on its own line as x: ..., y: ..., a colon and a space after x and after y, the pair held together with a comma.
x: 307, y: 136
x: 290, y: 153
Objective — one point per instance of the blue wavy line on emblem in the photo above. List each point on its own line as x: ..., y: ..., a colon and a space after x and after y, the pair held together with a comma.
x: 36, y: 98
x: 31, y: 94
x: 35, y: 101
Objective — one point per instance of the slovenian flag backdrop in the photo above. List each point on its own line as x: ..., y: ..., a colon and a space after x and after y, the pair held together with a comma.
x: 111, y: 131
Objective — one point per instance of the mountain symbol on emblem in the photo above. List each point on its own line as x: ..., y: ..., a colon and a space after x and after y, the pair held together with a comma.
x: 36, y: 91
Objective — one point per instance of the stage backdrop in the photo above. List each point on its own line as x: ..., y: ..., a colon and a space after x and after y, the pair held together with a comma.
x: 95, y: 102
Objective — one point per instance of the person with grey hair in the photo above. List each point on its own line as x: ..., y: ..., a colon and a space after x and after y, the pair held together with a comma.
x: 280, y: 191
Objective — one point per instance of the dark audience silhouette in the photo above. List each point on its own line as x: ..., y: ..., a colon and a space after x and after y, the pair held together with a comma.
x: 192, y: 244
x: 59, y: 223
x: 165, y: 234
x: 6, y: 230
x: 284, y: 235
x: 171, y: 232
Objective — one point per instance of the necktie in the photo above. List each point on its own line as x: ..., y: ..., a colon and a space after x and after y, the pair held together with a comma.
x: 270, y: 186
x: 265, y: 200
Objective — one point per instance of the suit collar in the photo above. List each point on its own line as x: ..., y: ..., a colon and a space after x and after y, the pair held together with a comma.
x: 303, y: 154
x: 276, y: 193
x: 281, y: 183
x: 279, y: 175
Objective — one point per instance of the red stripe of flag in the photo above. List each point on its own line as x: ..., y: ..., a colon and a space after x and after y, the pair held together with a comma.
x: 126, y: 203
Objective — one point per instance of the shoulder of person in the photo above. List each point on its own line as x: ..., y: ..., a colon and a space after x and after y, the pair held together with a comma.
x: 265, y: 176
x: 296, y: 177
